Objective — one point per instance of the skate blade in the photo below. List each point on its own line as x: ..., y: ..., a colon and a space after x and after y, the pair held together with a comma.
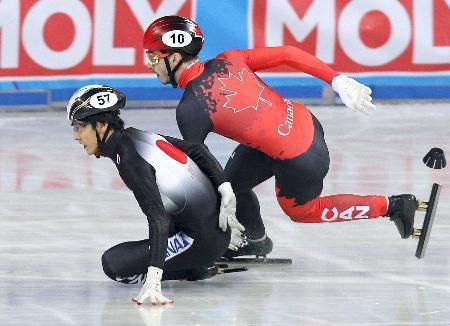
x: 430, y: 207
x: 256, y: 260
x: 224, y: 269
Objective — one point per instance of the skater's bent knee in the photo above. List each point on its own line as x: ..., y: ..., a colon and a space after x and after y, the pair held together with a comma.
x: 107, y: 266
x: 296, y: 219
x: 301, y: 213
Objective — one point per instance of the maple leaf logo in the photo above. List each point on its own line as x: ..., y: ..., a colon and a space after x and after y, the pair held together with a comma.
x: 244, y: 91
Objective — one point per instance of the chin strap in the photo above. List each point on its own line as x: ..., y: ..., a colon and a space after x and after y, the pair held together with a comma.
x: 101, y: 142
x: 171, y: 72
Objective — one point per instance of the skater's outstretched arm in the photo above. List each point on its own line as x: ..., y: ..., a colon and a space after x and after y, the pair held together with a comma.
x: 291, y: 56
x: 140, y: 177
x: 352, y: 93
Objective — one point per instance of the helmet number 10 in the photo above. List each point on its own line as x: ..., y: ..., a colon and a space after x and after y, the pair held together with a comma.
x: 176, y: 38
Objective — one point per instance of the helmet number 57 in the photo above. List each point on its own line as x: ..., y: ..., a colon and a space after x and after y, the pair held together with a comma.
x: 103, y: 100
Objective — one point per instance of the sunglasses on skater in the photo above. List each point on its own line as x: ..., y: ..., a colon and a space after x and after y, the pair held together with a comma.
x: 153, y: 58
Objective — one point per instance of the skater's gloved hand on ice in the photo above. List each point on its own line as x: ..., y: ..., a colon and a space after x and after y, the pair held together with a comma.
x: 227, y: 205
x: 238, y: 239
x: 355, y: 95
x: 234, y: 224
x: 152, y: 288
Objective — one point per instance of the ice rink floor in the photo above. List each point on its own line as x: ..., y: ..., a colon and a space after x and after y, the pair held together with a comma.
x: 60, y: 210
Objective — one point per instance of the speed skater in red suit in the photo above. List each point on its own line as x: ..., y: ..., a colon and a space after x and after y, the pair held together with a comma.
x: 278, y: 137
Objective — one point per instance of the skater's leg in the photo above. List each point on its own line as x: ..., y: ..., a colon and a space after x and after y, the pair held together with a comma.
x: 299, y: 183
x: 127, y: 262
x: 186, y: 254
x: 245, y: 169
x: 335, y: 208
x: 248, y: 213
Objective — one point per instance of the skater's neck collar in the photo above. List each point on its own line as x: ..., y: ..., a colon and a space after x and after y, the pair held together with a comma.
x: 109, y: 149
x: 191, y: 72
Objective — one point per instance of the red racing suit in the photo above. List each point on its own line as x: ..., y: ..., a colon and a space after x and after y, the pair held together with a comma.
x: 279, y: 137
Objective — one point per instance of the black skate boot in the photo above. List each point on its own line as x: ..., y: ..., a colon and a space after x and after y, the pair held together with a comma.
x: 401, y: 210
x: 260, y: 247
x: 203, y: 272
x: 195, y: 274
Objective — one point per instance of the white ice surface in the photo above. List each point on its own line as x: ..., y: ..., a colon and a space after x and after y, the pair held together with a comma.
x: 59, y: 210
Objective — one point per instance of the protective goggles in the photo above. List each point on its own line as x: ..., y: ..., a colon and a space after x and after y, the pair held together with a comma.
x: 153, y: 59
x: 76, y: 125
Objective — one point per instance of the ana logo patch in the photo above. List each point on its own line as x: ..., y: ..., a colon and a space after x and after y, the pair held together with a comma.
x: 177, y: 244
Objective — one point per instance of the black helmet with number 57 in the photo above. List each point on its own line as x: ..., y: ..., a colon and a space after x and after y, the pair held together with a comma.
x: 96, y: 104
x: 92, y: 100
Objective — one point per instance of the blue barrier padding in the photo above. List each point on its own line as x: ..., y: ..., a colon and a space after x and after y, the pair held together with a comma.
x: 62, y: 95
x: 414, y: 80
x: 8, y: 85
x: 312, y: 92
x: 168, y: 93
x: 150, y: 89
x: 287, y: 80
x: 77, y: 83
x: 405, y: 92
x: 152, y: 93
x: 24, y: 98
x: 132, y: 93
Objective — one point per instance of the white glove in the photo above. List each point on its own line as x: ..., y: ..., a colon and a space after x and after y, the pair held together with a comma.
x: 355, y: 95
x: 152, y: 288
x: 237, y: 240
x: 227, y: 205
x: 234, y: 224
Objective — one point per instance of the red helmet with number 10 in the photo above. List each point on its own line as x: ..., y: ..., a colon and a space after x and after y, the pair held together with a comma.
x: 174, y: 33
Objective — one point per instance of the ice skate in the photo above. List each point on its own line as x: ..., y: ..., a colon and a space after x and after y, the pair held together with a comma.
x: 203, y: 272
x: 424, y: 233
x: 212, y: 270
x: 401, y: 210
x: 259, y: 249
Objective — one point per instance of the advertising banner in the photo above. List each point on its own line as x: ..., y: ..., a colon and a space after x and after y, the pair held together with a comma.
x: 96, y: 37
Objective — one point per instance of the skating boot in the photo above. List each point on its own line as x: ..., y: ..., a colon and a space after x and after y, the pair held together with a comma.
x: 401, y: 210
x: 260, y: 247
x: 203, y: 272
